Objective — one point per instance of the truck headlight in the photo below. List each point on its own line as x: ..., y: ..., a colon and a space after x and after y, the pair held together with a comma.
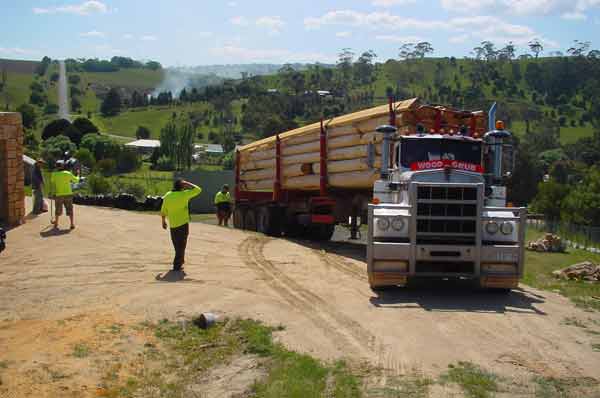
x: 398, y: 223
x: 383, y: 223
x: 507, y: 228
x: 492, y: 227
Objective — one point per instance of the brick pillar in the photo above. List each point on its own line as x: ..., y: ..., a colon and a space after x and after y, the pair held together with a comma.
x: 12, y: 193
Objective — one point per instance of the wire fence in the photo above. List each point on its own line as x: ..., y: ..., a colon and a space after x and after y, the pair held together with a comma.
x: 577, y: 236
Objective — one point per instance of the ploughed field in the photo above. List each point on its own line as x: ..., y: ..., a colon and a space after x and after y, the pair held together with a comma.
x: 60, y: 292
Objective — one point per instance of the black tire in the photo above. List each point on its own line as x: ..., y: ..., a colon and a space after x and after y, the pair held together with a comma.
x: 250, y: 220
x: 294, y: 230
x: 320, y: 232
x: 238, y: 218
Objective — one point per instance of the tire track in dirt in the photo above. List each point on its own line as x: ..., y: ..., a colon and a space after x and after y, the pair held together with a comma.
x: 343, y: 266
x: 321, y: 313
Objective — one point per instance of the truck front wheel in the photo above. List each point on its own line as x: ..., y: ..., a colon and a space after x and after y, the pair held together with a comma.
x: 267, y: 222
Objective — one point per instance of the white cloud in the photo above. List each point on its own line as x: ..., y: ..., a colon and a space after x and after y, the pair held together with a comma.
x: 343, y: 34
x: 93, y: 33
x: 235, y: 53
x: 574, y: 16
x: 374, y: 20
x: 459, y: 39
x: 273, y: 23
x: 569, y: 9
x: 232, y: 4
x: 104, y: 50
x: 148, y: 38
x: 17, y: 51
x: 127, y: 36
x: 85, y: 8
x: 239, y: 20
x: 392, y: 3
x: 399, y: 39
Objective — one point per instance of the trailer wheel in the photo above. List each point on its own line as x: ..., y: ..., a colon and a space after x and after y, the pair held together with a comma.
x: 321, y: 232
x: 267, y: 221
x: 238, y: 218
x: 250, y: 220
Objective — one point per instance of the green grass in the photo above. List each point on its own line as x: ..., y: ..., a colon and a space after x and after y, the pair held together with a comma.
x: 17, y: 90
x: 475, y: 381
x: 154, y: 118
x: 81, y: 351
x: 128, y: 78
x: 539, y: 267
x: 551, y: 387
x: 187, y: 352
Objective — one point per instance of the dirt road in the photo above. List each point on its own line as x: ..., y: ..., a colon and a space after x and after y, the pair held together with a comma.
x: 63, y: 94
x: 115, y: 264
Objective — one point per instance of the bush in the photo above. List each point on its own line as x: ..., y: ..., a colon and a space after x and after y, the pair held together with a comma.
x: 101, y: 146
x: 51, y: 109
x: 85, y: 157
x: 28, y: 114
x: 55, y: 128
x: 127, y: 161
x: 74, y: 79
x: 136, y: 189
x: 98, y: 185
x: 106, y: 167
x: 164, y: 163
x: 74, y: 134
x: 85, y: 126
x: 142, y: 133
x: 54, y: 148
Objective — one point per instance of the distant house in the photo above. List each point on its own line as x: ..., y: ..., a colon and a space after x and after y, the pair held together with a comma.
x: 203, y: 150
x: 144, y: 146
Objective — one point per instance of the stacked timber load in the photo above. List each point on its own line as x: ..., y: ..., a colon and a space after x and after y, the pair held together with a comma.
x: 353, y: 148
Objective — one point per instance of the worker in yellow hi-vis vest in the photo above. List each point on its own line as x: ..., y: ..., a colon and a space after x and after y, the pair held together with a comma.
x: 223, y: 204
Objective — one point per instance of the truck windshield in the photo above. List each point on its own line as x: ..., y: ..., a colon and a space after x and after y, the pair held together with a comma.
x: 419, y: 150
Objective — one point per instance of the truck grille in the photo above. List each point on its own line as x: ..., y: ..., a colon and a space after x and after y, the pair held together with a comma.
x: 446, y: 215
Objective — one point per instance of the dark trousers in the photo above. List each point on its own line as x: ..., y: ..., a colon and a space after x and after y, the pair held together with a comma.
x: 179, y: 238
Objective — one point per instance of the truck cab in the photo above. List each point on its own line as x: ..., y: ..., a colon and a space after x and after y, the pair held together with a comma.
x: 440, y: 211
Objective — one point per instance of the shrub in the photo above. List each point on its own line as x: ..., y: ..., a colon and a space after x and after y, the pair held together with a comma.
x: 101, y: 146
x: 85, y: 157
x: 136, y: 189
x: 55, y: 128
x: 54, y: 148
x: 127, y: 161
x: 85, y: 126
x: 142, y: 133
x: 164, y: 163
x: 98, y: 184
x: 107, y: 166
x: 50, y: 109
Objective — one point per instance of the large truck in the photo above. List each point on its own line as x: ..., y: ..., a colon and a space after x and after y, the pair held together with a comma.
x: 428, y: 180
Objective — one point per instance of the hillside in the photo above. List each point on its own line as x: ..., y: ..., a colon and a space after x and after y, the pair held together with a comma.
x: 15, y: 79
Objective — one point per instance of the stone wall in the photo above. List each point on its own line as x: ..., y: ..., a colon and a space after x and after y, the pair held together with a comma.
x: 12, y: 194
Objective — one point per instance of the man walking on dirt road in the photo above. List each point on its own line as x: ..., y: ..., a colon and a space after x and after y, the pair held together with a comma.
x: 175, y: 208
x: 60, y: 186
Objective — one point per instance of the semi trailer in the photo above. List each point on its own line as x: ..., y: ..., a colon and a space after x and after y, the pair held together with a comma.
x: 428, y: 180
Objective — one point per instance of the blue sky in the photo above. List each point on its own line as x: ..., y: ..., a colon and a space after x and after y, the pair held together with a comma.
x: 201, y: 32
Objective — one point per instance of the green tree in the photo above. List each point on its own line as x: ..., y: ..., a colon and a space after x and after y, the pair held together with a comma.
x: 111, y: 106
x: 54, y: 148
x: 128, y: 161
x: 536, y: 47
x: 55, y: 128
x: 85, y: 157
x: 582, y: 205
x: 142, y: 133
x: 549, y: 199
x: 85, y: 126
x: 177, y: 143
x: 101, y: 146
x: 74, y: 134
x: 28, y: 114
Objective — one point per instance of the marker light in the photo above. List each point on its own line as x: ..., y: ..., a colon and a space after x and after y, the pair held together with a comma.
x: 499, y: 125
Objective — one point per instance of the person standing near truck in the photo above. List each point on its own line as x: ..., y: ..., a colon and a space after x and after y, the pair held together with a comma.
x: 223, y: 203
x: 175, y: 209
x: 37, y: 186
x: 60, y: 186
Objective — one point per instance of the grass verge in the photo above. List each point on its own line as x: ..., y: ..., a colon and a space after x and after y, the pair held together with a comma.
x: 186, y: 353
x: 475, y: 381
x: 539, y: 267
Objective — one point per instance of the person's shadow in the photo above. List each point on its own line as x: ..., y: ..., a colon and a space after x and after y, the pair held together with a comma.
x: 171, y: 276
x: 50, y: 232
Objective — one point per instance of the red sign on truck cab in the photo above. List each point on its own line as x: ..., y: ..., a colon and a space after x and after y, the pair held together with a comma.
x: 442, y: 164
